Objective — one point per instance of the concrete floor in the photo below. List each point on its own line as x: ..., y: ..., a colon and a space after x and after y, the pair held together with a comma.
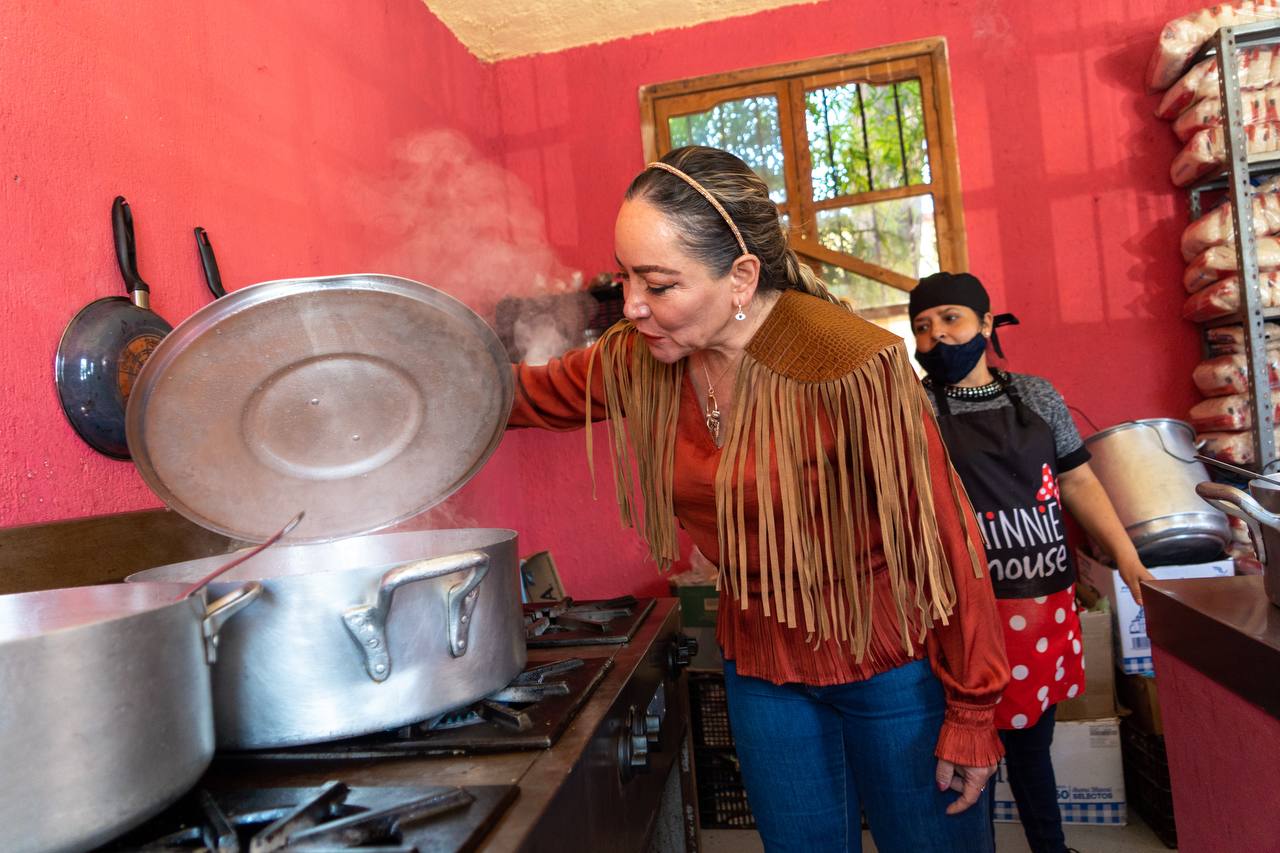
x: 1137, y: 837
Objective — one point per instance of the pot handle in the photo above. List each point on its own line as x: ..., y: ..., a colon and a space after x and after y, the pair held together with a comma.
x: 367, y: 623
x: 1236, y: 503
x: 218, y: 612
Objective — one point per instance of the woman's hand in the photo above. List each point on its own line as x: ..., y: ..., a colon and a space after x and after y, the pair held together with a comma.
x: 1085, y: 499
x: 1133, y: 573
x: 969, y: 781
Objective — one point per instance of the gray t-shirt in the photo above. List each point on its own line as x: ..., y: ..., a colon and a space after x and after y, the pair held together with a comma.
x: 1043, y: 399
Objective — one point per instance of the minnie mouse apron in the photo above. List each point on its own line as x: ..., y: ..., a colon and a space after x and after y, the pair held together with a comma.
x: 1007, y: 460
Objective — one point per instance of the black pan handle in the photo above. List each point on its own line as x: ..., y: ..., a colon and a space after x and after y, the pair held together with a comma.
x: 210, y: 263
x: 126, y: 249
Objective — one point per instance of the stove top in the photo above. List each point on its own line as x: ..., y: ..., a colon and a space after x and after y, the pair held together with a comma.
x: 495, y: 776
x: 530, y: 713
x: 569, y: 623
x: 331, y: 817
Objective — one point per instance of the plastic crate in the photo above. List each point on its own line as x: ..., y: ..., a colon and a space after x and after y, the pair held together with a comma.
x: 1145, y: 753
x: 722, y: 800
x: 709, y: 708
x: 1146, y: 780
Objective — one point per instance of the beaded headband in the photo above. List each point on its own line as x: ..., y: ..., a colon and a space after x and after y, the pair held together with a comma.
x: 742, y: 244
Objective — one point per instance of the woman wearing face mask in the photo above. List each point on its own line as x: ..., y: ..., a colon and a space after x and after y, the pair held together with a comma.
x: 792, y: 442
x: 1022, y: 461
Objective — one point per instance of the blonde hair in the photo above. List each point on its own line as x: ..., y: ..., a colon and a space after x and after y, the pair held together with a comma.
x: 722, y: 210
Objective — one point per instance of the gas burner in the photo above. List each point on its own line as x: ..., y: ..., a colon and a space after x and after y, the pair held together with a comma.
x: 529, y: 713
x: 332, y: 817
x: 570, y: 623
x: 527, y: 688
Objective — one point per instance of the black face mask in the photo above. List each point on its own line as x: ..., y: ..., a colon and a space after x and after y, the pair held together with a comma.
x: 949, y: 363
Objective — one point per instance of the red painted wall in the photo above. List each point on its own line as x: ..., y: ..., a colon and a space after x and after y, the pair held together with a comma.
x: 275, y: 126
x: 309, y: 140
x: 1071, y: 218
x: 306, y: 140
x: 1223, y: 752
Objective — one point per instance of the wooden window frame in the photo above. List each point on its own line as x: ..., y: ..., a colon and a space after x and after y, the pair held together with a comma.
x: 788, y: 82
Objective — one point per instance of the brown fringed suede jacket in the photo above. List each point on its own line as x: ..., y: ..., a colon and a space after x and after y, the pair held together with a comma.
x: 863, y: 553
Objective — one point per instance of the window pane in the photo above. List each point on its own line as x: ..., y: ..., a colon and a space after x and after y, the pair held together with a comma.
x: 865, y: 293
x: 897, y: 234
x: 865, y: 137
x: 747, y: 128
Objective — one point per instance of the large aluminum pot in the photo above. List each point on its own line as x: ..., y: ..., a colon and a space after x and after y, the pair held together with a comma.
x: 1150, y: 472
x: 106, y: 716
x: 1260, y: 509
x: 364, y: 634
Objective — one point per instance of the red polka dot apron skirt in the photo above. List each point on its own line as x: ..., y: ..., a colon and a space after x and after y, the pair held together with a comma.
x: 1007, y: 460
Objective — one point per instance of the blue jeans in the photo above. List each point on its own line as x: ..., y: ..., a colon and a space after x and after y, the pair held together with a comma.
x: 1035, y: 790
x: 814, y: 758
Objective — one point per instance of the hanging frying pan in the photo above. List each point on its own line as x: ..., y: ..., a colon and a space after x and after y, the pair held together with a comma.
x: 104, y: 346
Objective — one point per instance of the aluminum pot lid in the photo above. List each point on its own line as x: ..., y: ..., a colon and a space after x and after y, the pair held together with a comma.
x: 361, y: 399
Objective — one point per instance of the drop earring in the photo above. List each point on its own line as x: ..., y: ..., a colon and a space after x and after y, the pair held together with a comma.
x: 741, y: 315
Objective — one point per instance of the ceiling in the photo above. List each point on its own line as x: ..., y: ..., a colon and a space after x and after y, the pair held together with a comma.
x: 501, y: 30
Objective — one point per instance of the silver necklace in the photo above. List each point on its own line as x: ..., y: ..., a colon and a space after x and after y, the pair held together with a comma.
x: 992, y: 389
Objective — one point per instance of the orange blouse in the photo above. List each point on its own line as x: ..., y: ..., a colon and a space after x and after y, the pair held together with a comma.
x: 967, y: 653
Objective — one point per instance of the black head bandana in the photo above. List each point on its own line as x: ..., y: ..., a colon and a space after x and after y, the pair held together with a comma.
x: 958, y: 288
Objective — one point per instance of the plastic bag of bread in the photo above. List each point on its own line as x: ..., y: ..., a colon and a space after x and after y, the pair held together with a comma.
x: 1206, y: 153
x: 1228, y: 374
x: 1255, y: 107
x: 1239, y: 531
x: 1233, y: 447
x: 1228, y: 340
x: 1215, y: 228
x: 1222, y: 298
x: 1227, y: 413
x: 1182, y: 37
x: 1246, y: 561
x: 1218, y: 262
x: 1256, y: 67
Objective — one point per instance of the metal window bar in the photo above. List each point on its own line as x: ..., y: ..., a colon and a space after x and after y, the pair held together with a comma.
x: 1240, y: 192
x: 832, y: 176
x: 902, y: 142
x: 866, y: 141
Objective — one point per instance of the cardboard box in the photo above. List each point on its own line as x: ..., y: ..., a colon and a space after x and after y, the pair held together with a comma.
x: 699, y: 604
x: 1088, y: 769
x: 1137, y: 693
x: 1133, y: 648
x: 540, y: 580
x: 1099, y: 698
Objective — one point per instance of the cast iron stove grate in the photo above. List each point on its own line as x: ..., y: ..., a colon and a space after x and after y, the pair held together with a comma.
x: 588, y: 623
x: 529, y: 713
x: 331, y: 817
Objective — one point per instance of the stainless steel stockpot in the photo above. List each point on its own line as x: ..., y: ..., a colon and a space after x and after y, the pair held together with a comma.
x: 363, y: 634
x: 106, y: 716
x: 1150, y: 472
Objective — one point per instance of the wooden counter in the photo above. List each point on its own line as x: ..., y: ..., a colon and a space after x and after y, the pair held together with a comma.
x: 1216, y: 645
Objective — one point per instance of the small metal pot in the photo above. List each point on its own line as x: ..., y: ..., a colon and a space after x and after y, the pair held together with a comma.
x: 107, y: 716
x: 364, y: 634
x: 1258, y: 510
x: 1150, y: 472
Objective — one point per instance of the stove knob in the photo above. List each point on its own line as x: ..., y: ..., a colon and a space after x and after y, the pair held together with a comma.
x: 633, y: 745
x: 652, y: 728
x: 680, y: 653
x: 639, y: 741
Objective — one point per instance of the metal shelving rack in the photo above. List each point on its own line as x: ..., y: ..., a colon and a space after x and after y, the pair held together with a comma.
x: 1240, y: 169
